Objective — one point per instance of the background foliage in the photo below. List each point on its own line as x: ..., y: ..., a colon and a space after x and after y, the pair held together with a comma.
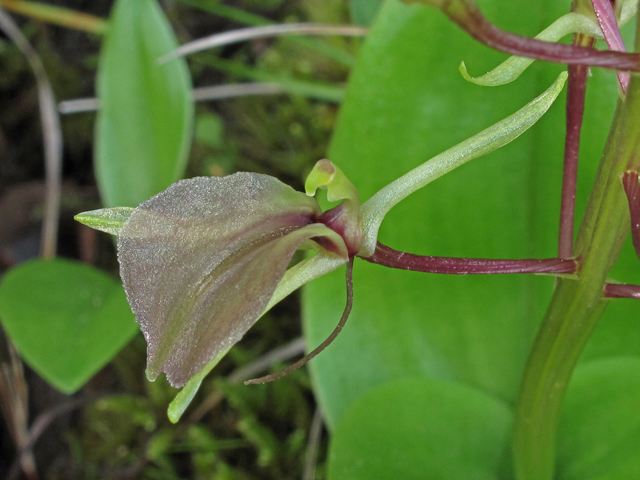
x: 448, y: 351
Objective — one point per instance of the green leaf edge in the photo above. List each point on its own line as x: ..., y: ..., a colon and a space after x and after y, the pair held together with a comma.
x: 68, y: 388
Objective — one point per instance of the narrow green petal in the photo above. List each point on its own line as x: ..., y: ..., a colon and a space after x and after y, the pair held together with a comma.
x: 307, y: 270
x: 374, y: 210
x: 110, y: 220
x: 326, y: 175
x: 513, y: 67
x: 184, y: 397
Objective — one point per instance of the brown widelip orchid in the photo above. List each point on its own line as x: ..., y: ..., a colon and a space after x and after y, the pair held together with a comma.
x: 203, y: 260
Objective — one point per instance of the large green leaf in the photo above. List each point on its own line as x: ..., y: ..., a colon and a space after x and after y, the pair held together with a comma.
x: 405, y: 103
x: 422, y: 429
x: 364, y: 11
x: 66, y: 319
x: 599, y: 435
x: 143, y: 128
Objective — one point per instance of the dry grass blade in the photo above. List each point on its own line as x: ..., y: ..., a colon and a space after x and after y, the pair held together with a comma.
x: 215, y: 92
x: 78, y: 105
x: 57, y: 15
x: 311, y: 457
x: 39, y: 425
x: 233, y: 90
x: 13, y: 402
x: 277, y: 355
x: 252, y: 33
x: 51, y: 133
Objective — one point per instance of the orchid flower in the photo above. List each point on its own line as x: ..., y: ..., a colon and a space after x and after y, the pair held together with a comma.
x: 202, y: 261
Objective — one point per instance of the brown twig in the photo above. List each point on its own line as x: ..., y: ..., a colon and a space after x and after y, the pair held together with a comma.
x: 41, y: 423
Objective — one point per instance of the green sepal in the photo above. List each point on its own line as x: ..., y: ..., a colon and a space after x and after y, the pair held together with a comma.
x: 326, y: 175
x: 184, y: 397
x: 345, y: 218
x: 109, y: 220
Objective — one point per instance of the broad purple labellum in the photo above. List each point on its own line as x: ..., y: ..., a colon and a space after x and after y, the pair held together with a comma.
x: 201, y: 260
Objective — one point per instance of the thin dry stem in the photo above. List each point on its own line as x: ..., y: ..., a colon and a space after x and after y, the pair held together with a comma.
x: 280, y: 354
x: 215, y: 92
x: 311, y: 456
x: 14, y: 404
x: 264, y: 31
x: 51, y: 132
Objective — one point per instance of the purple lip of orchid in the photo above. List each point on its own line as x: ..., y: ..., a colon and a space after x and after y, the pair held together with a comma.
x: 339, y: 220
x: 201, y: 260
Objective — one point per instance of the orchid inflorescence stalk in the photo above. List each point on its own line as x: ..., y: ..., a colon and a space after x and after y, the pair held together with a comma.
x: 202, y: 261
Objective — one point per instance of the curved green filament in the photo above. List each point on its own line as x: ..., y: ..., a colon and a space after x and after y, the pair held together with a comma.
x: 513, y: 67
x: 374, y: 210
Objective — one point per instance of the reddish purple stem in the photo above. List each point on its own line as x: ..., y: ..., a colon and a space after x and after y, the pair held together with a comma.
x: 575, y: 111
x: 467, y: 15
x: 609, y: 26
x: 389, y: 257
x: 632, y: 189
x: 621, y: 290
